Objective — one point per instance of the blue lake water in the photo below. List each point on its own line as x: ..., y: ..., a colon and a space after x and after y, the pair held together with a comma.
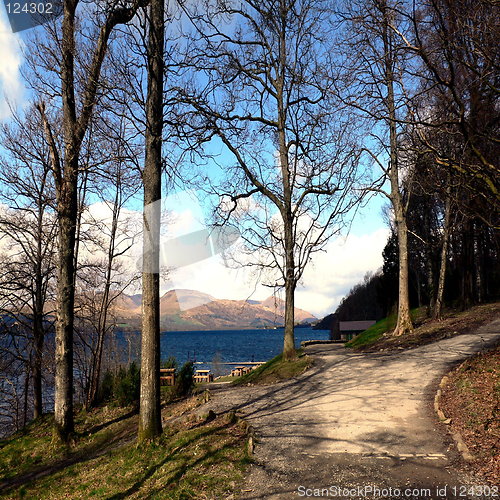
x: 230, y: 346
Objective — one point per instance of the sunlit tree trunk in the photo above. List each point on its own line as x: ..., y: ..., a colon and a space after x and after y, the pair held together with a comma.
x: 289, y: 336
x: 404, y: 323
x: 438, y: 303
x: 150, y: 415
x: 75, y: 120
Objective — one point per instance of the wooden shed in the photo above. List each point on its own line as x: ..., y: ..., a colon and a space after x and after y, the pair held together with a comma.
x: 201, y: 376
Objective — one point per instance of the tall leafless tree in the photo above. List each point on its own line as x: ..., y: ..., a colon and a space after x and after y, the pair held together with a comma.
x: 263, y: 87
x: 376, y: 73
x: 150, y: 416
x: 27, y: 231
x: 77, y: 109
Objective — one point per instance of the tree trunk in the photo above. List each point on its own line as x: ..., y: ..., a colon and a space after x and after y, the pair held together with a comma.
x: 430, y: 281
x: 467, y: 285
x: 63, y: 395
x: 438, y: 304
x: 66, y: 181
x: 290, y: 283
x: 404, y: 323
x: 37, y: 367
x: 25, y: 394
x: 289, y: 337
x: 150, y: 415
x: 38, y: 328
x: 478, y: 248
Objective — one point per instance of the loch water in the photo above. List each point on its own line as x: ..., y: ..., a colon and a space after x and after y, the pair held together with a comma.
x: 213, y: 348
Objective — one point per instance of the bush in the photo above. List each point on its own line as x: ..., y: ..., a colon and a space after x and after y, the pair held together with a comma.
x: 122, y: 387
x: 128, y: 385
x: 184, y: 383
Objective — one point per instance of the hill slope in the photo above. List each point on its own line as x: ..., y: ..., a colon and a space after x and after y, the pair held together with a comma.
x: 193, y: 310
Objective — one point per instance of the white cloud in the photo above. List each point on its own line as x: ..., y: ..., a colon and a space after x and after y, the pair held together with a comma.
x: 11, y: 86
x: 327, y: 279
x: 332, y: 273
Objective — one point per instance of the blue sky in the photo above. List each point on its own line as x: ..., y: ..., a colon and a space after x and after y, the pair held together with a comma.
x: 329, y: 276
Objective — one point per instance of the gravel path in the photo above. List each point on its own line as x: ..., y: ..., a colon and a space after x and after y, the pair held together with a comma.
x: 361, y: 421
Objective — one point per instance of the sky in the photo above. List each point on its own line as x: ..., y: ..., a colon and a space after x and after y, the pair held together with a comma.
x: 327, y: 279
x: 329, y: 276
x: 11, y: 86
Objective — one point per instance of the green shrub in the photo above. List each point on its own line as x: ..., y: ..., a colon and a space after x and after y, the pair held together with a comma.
x: 122, y: 387
x: 184, y: 382
x: 127, y: 385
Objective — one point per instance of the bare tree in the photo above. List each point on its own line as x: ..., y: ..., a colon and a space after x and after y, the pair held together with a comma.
x: 102, y: 276
x: 376, y: 80
x: 263, y: 88
x: 77, y: 111
x: 150, y: 415
x: 28, y: 229
x: 456, y: 44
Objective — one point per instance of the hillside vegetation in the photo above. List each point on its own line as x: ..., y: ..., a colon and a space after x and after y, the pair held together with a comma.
x: 378, y: 337
x: 276, y: 370
x: 471, y: 399
x: 194, y: 458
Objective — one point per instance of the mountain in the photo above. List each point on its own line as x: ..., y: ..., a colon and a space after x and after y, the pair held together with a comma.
x: 192, y: 310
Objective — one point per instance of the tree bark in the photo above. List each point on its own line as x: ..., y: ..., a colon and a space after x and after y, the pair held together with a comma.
x: 404, y: 323
x: 289, y: 337
x: 63, y: 395
x: 66, y: 181
x: 149, y: 415
x: 438, y: 303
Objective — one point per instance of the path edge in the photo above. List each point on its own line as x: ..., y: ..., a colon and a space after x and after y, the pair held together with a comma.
x: 457, y: 437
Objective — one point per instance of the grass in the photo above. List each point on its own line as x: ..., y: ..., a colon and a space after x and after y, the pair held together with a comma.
x: 192, y: 459
x: 373, y: 333
x: 276, y: 370
x: 376, y: 331
x: 426, y: 330
x: 34, y: 448
x: 225, y: 378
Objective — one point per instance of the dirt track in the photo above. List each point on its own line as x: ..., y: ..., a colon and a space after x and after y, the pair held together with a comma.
x: 355, y: 421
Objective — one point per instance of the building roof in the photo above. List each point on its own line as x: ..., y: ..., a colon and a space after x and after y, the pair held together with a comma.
x: 349, y: 326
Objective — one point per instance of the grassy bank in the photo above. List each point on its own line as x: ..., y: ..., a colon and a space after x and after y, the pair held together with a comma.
x: 194, y: 458
x: 276, y: 370
x: 454, y: 322
x: 471, y: 399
